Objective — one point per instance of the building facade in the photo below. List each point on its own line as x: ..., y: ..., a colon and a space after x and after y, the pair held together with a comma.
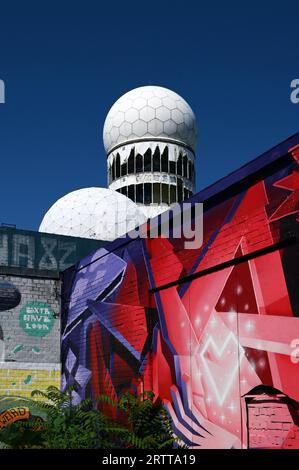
x: 30, y: 304
x: 212, y: 331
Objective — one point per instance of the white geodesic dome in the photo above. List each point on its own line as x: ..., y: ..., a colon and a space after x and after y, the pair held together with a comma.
x: 98, y: 213
x: 150, y: 112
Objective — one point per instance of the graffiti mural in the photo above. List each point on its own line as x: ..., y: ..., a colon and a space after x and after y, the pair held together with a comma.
x: 21, y: 378
x: 211, y: 331
x: 25, y: 249
x: 29, y: 323
x: 107, y: 332
x: 14, y: 409
x: 30, y: 306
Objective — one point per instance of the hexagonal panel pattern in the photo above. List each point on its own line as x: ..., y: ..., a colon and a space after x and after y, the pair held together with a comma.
x: 149, y: 111
x: 98, y: 213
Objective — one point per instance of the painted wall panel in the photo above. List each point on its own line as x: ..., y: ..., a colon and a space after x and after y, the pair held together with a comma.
x: 29, y: 319
x: 207, y: 345
x: 21, y: 378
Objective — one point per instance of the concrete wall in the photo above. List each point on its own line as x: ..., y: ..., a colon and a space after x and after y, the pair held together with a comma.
x: 23, y: 340
x: 30, y: 334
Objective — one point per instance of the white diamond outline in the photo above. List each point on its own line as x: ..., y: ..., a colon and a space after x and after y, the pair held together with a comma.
x: 219, y: 351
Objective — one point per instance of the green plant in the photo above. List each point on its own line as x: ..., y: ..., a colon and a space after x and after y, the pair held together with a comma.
x: 140, y: 423
x: 66, y: 425
x: 148, y: 423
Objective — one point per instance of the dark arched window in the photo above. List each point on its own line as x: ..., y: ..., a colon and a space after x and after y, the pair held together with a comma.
x: 172, y: 194
x: 165, y: 193
x: 185, y: 166
x: 147, y: 193
x: 157, y: 193
x: 180, y: 190
x: 117, y: 170
x: 172, y: 167
x: 148, y: 160
x: 180, y: 165
x: 139, y: 193
x: 164, y: 160
x: 139, y: 163
x: 156, y: 160
x: 124, y: 190
x: 124, y: 168
x: 113, y: 169
x: 131, y: 192
x: 131, y: 165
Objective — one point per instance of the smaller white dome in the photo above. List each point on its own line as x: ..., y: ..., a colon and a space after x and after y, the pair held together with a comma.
x: 98, y: 213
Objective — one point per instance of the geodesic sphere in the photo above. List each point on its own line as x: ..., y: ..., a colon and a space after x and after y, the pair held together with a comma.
x: 150, y: 112
x: 97, y: 213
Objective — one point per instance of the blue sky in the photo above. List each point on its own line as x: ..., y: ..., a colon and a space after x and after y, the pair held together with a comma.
x: 65, y: 63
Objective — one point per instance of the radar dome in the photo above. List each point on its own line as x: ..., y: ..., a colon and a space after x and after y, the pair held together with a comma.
x: 98, y: 213
x: 150, y: 113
